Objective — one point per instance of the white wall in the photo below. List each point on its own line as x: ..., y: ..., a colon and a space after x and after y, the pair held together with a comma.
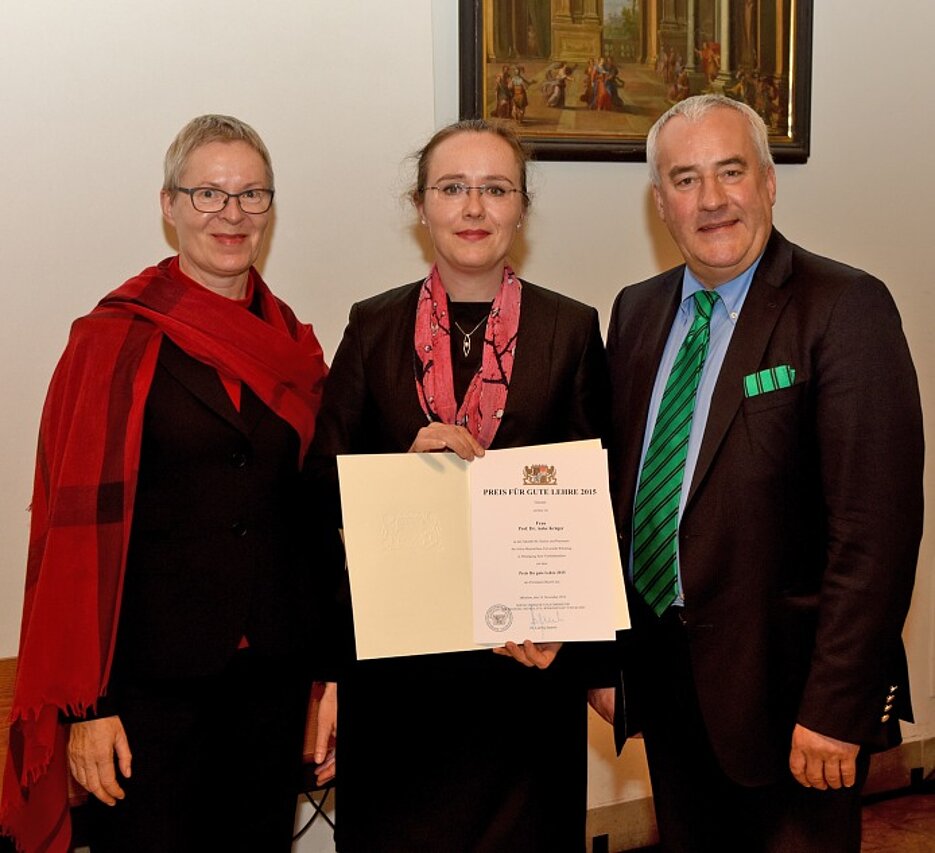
x: 91, y: 94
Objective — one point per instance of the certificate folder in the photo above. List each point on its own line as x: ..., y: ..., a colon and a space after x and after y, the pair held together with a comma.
x: 446, y: 555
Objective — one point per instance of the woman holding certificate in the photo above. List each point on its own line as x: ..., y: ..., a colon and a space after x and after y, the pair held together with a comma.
x: 481, y: 750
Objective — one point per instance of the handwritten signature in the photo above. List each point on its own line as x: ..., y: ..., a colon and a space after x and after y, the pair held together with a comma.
x: 544, y: 618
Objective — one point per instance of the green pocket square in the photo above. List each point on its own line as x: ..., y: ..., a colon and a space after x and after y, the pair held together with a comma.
x: 771, y: 379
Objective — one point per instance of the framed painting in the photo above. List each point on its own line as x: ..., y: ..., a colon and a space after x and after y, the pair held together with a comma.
x: 586, y: 79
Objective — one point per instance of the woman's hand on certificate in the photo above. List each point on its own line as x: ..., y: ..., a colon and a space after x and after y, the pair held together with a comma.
x: 438, y: 436
x: 530, y: 654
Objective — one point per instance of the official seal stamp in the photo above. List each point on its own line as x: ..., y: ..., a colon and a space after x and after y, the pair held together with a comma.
x: 499, y: 617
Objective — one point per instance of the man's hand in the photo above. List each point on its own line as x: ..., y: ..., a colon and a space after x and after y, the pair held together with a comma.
x: 602, y: 700
x: 91, y: 749
x: 819, y: 761
x: 530, y: 654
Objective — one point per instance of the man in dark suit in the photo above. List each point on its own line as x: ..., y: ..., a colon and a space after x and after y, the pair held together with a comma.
x: 769, y: 507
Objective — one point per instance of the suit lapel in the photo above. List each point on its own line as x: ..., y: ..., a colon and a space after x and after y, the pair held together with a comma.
x: 532, y: 367
x: 653, y: 334
x: 758, y: 317
x: 370, y: 403
x: 642, y: 336
x: 398, y: 366
x: 204, y: 383
x: 252, y: 409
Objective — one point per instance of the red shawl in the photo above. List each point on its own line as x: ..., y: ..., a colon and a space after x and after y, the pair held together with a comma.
x: 86, y: 471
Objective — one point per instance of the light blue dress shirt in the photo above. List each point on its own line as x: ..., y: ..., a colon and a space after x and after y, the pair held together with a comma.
x: 724, y: 318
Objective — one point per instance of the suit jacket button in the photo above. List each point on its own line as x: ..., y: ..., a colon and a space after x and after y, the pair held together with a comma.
x: 884, y: 718
x: 887, y: 708
x: 238, y: 459
x: 238, y: 528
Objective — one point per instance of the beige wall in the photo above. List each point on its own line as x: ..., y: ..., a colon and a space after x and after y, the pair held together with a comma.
x: 342, y: 90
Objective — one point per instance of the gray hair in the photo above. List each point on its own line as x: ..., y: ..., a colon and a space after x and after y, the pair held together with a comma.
x: 696, y: 108
x: 202, y: 131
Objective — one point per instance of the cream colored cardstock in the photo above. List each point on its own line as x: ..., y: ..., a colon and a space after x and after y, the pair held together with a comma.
x: 408, y: 535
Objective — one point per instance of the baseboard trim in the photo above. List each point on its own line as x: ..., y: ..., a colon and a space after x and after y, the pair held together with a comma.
x: 905, y: 767
x: 625, y: 826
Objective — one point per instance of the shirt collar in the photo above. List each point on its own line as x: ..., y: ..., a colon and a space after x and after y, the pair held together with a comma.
x: 732, y: 293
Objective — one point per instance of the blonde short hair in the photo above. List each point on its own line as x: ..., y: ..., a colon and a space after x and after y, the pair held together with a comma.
x: 202, y: 131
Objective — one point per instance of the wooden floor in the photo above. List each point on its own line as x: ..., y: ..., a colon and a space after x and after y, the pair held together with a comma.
x: 904, y: 824
x: 892, y: 824
x: 901, y: 824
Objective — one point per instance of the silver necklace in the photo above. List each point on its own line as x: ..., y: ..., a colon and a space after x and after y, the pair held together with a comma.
x: 466, y: 343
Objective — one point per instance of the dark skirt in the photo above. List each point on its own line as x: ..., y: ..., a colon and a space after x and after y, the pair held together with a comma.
x: 461, y: 752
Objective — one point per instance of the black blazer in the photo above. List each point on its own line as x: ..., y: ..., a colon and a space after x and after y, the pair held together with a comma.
x: 558, y: 390
x: 799, y: 540
x: 221, y: 545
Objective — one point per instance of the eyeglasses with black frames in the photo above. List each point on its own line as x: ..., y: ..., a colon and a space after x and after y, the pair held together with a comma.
x: 213, y: 200
x: 458, y: 191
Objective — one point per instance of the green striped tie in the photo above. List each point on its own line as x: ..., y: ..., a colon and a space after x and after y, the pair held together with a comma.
x: 656, y: 512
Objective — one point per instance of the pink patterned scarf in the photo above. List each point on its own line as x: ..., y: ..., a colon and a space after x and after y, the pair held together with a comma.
x: 485, y: 400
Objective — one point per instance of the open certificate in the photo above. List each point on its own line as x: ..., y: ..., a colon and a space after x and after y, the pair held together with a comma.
x: 546, y: 565
x: 446, y: 555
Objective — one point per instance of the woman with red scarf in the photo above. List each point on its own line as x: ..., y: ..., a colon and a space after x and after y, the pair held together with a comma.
x: 169, y: 600
x: 469, y: 751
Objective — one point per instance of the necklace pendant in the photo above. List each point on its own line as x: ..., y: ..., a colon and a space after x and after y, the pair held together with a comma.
x: 466, y: 343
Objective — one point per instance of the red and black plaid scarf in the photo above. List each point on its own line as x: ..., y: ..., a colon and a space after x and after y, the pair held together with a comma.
x: 86, y: 471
